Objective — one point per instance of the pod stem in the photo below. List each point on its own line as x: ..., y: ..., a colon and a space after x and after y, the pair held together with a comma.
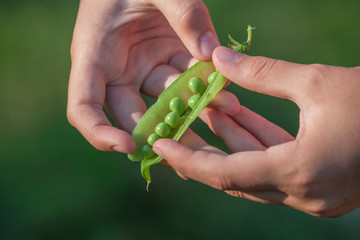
x: 241, y: 47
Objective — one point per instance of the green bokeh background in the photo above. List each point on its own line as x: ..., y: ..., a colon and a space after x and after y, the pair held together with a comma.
x: 54, y: 185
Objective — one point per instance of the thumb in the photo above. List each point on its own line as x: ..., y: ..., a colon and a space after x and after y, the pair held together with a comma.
x: 260, y: 74
x: 191, y: 21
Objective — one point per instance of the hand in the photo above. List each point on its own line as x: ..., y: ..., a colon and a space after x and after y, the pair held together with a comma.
x: 318, y: 172
x: 120, y: 48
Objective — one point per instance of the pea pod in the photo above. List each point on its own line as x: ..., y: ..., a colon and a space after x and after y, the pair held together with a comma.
x: 178, y: 106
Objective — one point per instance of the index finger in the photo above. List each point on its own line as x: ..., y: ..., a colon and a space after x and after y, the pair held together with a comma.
x: 85, y: 112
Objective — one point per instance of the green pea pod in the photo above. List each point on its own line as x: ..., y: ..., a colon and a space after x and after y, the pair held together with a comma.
x: 156, y: 114
x: 158, y: 111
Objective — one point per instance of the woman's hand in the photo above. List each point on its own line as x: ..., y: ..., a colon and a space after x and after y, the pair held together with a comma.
x: 318, y: 172
x: 122, y: 48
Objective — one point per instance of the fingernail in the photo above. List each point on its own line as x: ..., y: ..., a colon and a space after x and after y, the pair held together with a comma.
x: 207, y: 43
x: 226, y: 55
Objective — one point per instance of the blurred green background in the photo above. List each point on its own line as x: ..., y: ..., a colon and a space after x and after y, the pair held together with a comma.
x: 54, y: 185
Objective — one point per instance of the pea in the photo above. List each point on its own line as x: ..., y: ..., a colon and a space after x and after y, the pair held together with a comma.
x: 177, y: 105
x: 152, y: 138
x: 147, y: 151
x: 178, y: 96
x: 196, y: 85
x: 193, y: 100
x: 212, y: 77
x: 172, y: 119
x: 162, y: 129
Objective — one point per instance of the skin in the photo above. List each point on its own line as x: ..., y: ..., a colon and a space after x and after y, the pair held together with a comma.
x: 318, y: 172
x: 123, y: 48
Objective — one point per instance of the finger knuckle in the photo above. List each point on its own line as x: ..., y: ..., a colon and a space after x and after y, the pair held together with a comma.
x: 221, y: 183
x: 262, y: 66
x: 259, y: 69
x: 188, y: 13
x: 318, y: 208
x: 323, y: 208
x: 304, y: 183
x: 307, y: 189
x: 314, y: 78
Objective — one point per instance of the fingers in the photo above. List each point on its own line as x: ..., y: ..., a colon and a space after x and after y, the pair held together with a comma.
x: 225, y: 101
x: 164, y: 148
x: 85, y: 112
x: 159, y: 79
x: 92, y: 123
x: 244, y: 130
x: 246, y: 126
x: 163, y: 75
x: 195, y: 142
x: 264, y: 75
x: 191, y: 21
x: 125, y: 106
x: 247, y: 171
x: 236, y: 138
x: 267, y: 132
x: 182, y: 60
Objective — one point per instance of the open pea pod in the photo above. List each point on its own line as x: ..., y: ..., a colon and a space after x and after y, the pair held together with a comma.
x: 178, y: 106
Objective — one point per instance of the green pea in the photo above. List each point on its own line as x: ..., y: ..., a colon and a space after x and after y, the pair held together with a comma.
x: 177, y: 105
x: 196, y: 85
x: 193, y: 100
x: 152, y: 138
x: 172, y: 119
x: 162, y: 129
x: 212, y: 77
x: 176, y: 96
x: 147, y: 151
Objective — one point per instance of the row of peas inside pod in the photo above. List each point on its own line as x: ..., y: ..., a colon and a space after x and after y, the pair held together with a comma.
x: 177, y: 107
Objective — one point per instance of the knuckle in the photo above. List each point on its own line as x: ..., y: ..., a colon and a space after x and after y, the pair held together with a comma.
x: 221, y: 183
x: 307, y: 189
x: 260, y: 69
x: 304, y: 184
x: 188, y: 13
x: 322, y: 208
x: 314, y: 77
x: 223, y: 179
x: 262, y: 66
x: 317, y: 208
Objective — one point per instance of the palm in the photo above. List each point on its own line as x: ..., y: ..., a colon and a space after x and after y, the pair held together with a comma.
x: 143, y: 58
x: 122, y: 48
